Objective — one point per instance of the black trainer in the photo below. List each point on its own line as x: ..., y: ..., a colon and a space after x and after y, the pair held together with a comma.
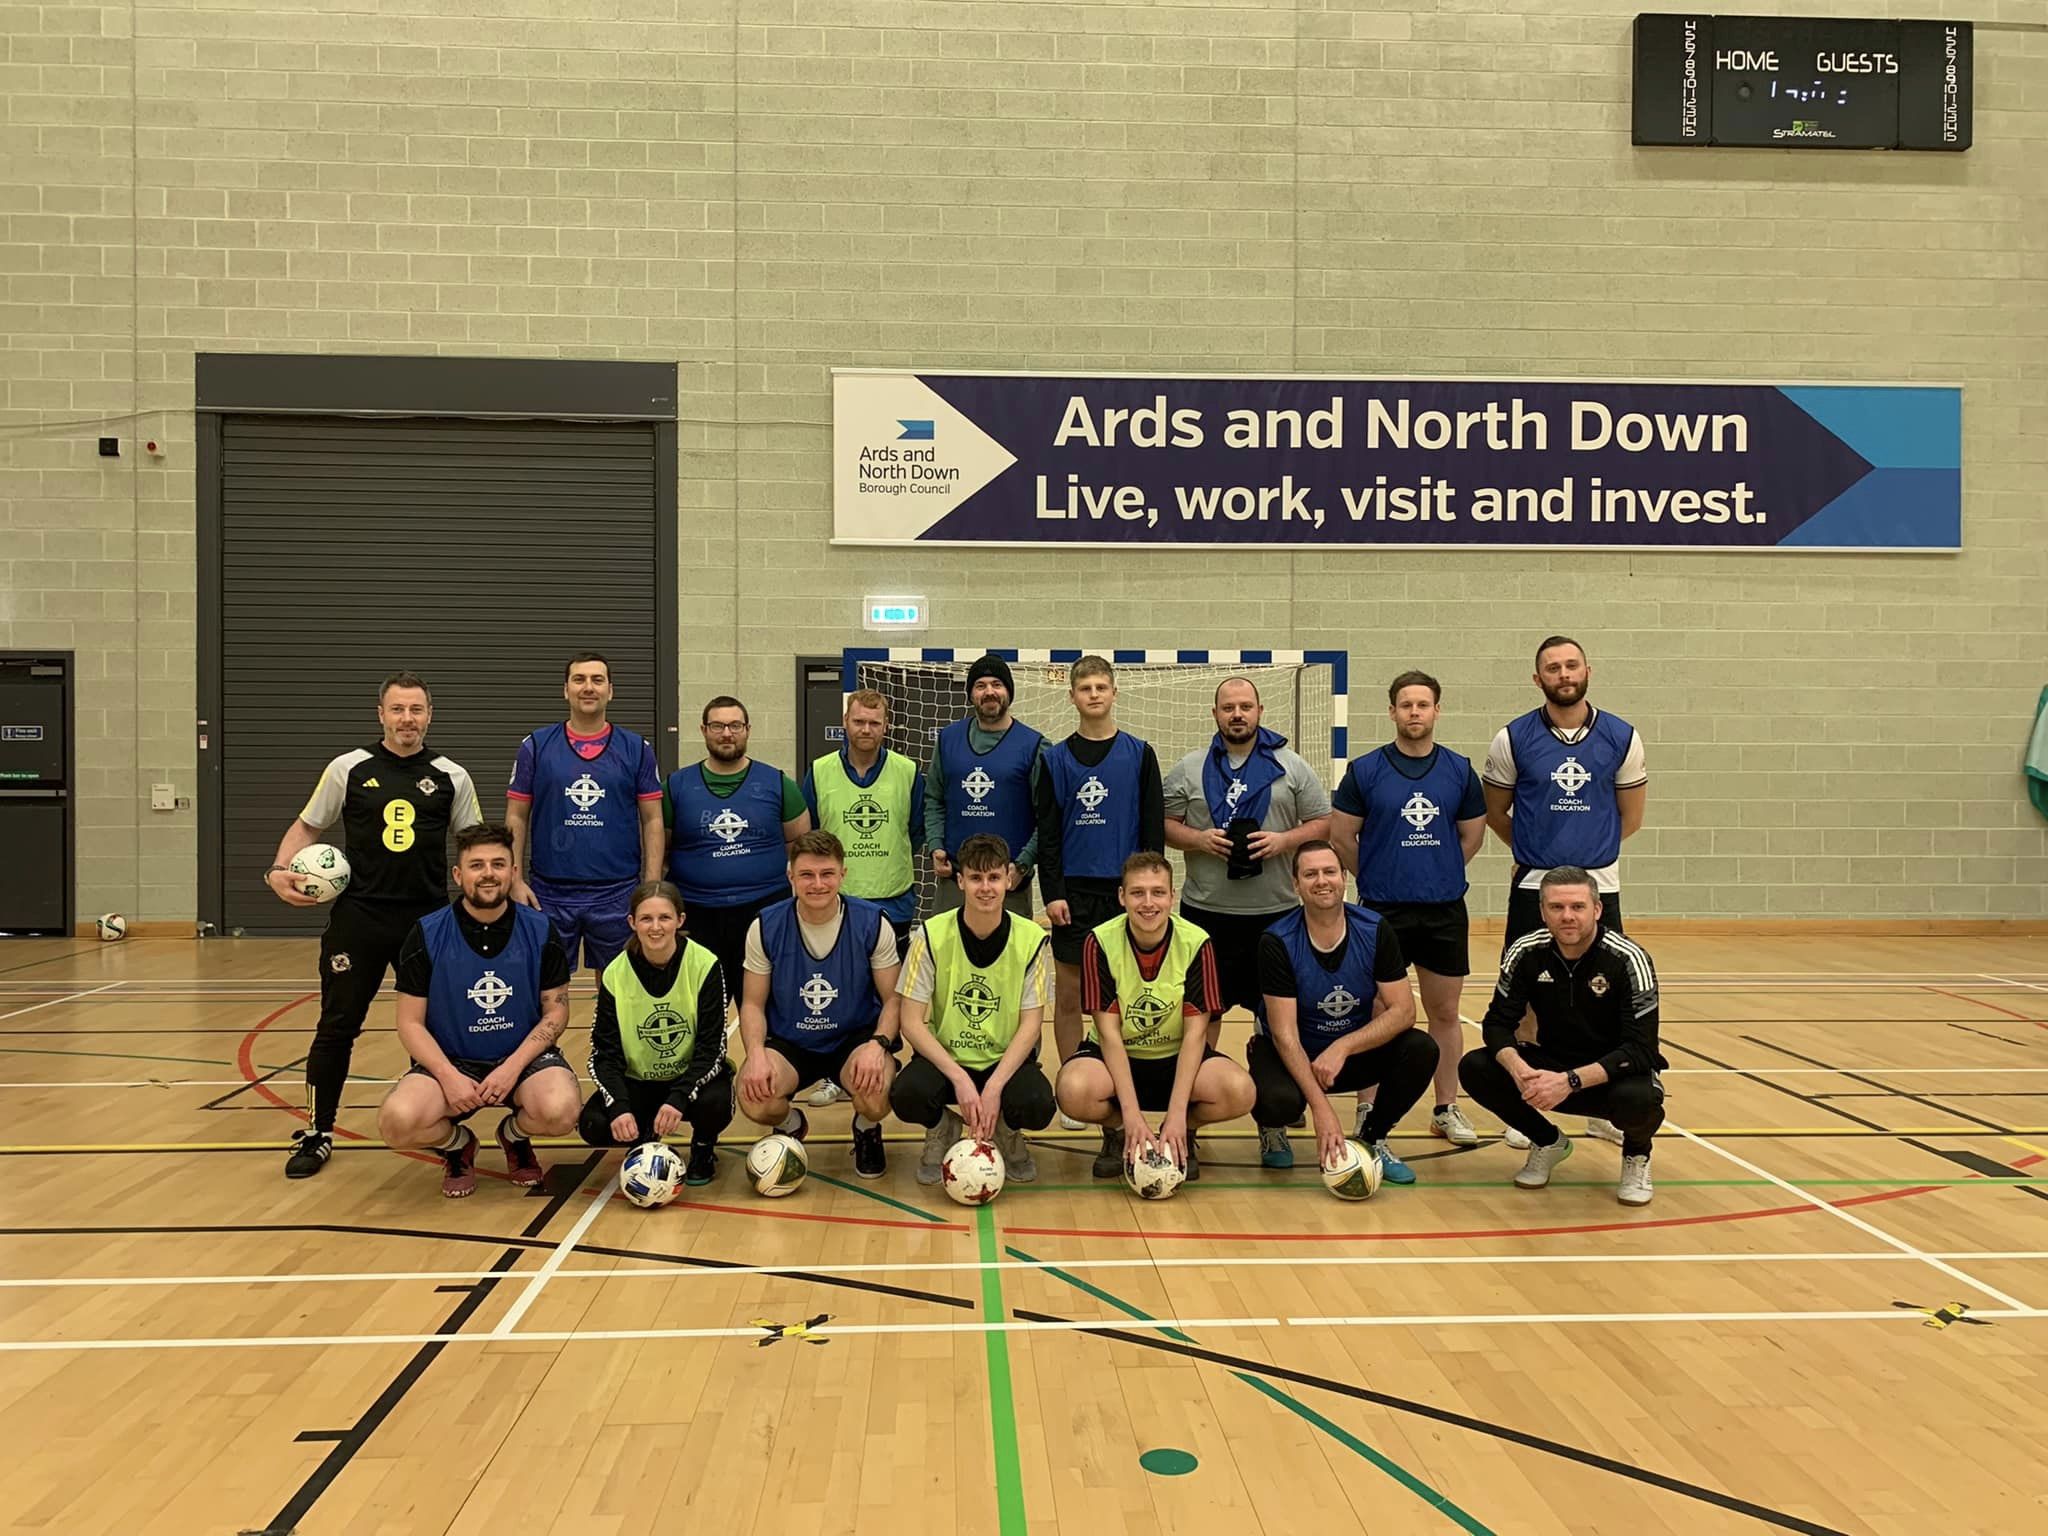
x: 870, y: 1161
x: 703, y: 1165
x: 1193, y: 1171
x: 1109, y: 1162
x: 310, y: 1151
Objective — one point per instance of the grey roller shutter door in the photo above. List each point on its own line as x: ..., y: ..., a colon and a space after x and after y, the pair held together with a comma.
x: 479, y: 554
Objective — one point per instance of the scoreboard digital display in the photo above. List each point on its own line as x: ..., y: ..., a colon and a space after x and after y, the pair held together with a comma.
x: 1773, y: 82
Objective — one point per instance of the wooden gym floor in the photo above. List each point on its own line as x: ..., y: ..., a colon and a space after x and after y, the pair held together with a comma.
x: 1833, y: 1319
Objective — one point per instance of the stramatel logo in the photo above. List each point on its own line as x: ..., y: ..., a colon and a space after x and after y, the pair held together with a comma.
x: 818, y: 994
x: 1340, y: 1002
x: 584, y: 792
x: 1802, y: 128
x: 491, y: 992
x: 978, y: 785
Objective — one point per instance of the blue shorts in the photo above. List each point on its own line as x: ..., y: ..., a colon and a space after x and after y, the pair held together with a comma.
x: 593, y: 916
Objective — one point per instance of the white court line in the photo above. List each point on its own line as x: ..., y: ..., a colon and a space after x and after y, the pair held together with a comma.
x: 2027, y: 984
x: 1124, y: 1324
x: 54, y: 1001
x: 1853, y: 1220
x: 803, y: 1271
x: 599, y: 1199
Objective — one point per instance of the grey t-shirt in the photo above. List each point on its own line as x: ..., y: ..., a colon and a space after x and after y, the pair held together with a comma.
x: 1298, y: 797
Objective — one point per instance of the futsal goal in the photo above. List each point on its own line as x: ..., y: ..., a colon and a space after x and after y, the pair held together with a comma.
x: 1163, y: 697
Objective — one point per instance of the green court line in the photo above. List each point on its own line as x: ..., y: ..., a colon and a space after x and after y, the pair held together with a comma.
x: 1337, y: 1432
x: 875, y: 1194
x: 1297, y: 1187
x: 1002, y: 1406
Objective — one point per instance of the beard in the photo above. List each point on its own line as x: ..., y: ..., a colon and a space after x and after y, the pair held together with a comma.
x: 1564, y: 693
x: 992, y: 709
x: 724, y: 750
x: 1238, y: 731
x: 485, y: 897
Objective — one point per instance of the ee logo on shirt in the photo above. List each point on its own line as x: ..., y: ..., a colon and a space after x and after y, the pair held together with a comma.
x: 399, y: 815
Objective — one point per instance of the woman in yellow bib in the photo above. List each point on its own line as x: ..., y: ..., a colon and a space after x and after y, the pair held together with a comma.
x: 1149, y: 988
x: 975, y: 990
x: 657, y: 1046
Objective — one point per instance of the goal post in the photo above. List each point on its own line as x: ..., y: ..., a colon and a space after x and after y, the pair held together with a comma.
x: 1163, y: 697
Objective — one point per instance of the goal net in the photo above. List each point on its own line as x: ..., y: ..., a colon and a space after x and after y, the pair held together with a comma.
x: 1163, y: 697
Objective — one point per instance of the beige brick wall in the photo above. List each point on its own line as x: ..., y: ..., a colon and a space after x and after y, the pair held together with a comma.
x: 1348, y: 186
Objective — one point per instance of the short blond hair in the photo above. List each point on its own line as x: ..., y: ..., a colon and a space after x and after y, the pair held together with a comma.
x: 1091, y: 666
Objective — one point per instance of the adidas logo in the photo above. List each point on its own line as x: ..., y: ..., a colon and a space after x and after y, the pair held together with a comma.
x: 1543, y: 975
x: 371, y: 784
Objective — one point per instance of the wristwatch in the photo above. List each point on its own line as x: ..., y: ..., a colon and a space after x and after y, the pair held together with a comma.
x: 888, y: 1043
x: 1572, y: 1081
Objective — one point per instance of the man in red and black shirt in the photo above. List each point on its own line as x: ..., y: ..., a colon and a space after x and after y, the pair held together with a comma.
x: 1149, y: 988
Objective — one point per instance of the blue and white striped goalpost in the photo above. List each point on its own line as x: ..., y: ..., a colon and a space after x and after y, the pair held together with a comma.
x: 1339, y: 663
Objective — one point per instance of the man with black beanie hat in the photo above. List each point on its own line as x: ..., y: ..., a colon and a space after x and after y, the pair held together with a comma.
x: 981, y: 779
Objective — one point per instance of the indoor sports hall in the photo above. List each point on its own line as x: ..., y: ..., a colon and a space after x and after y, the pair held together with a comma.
x: 798, y: 360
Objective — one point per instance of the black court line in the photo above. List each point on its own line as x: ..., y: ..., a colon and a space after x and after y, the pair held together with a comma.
x: 1776, y: 1087
x: 295, y: 1509
x: 266, y: 1077
x: 29, y: 965
x: 1870, y: 1082
x: 2025, y: 1093
x: 1986, y: 1034
x: 1572, y: 1453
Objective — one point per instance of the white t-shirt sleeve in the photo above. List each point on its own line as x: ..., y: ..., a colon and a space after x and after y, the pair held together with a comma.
x: 324, y: 809
x: 1180, y: 786
x: 1311, y: 799
x: 1500, y: 762
x: 1632, y: 773
x: 883, y: 955
x: 467, y: 811
x: 757, y: 952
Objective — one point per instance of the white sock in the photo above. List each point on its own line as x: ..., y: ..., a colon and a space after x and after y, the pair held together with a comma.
x: 790, y: 1122
x: 514, y: 1129
x: 863, y: 1123
x: 458, y: 1138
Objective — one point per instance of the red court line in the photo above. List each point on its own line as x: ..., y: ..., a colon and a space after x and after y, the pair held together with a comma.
x: 1979, y: 1002
x: 1395, y: 1237
x: 837, y: 1221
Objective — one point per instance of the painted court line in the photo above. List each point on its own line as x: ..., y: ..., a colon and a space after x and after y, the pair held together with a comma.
x: 1310, y: 1261
x: 54, y: 1001
x: 599, y: 1199
x: 1853, y: 1220
x: 1065, y: 1325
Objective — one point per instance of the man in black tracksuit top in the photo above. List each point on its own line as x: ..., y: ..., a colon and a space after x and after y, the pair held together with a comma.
x: 1594, y: 993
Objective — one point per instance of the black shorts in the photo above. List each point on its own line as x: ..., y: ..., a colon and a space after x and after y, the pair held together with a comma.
x: 1525, y: 912
x: 1151, y: 1076
x: 1094, y: 903
x: 476, y: 1071
x: 723, y: 931
x: 1435, y: 935
x: 1234, y: 937
x: 817, y: 1066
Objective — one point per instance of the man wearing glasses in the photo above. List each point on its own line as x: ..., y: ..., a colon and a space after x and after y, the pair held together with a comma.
x: 730, y: 823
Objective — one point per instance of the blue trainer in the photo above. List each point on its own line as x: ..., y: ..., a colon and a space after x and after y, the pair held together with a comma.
x: 1274, y: 1148
x: 1392, y: 1169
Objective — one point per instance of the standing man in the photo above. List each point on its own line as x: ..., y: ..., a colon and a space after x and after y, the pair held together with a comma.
x: 1150, y: 988
x: 983, y: 775
x: 1337, y: 1017
x: 1238, y: 808
x: 1406, y: 821
x: 396, y: 806
x: 820, y: 1002
x: 731, y: 824
x: 483, y: 995
x: 975, y: 990
x: 866, y: 796
x: 1594, y: 995
x: 1565, y: 784
x: 572, y: 784
x: 1099, y: 801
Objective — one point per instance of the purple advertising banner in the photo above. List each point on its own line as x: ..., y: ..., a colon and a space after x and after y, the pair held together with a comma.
x: 1321, y: 463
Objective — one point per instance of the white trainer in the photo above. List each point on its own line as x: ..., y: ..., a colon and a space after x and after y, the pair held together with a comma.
x: 1514, y: 1138
x: 1603, y: 1130
x: 1451, y: 1124
x: 1069, y: 1123
x: 827, y: 1093
x: 1542, y: 1162
x: 1635, y: 1187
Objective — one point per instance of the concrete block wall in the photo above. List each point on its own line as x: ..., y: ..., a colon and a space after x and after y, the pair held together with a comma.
x: 759, y: 193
